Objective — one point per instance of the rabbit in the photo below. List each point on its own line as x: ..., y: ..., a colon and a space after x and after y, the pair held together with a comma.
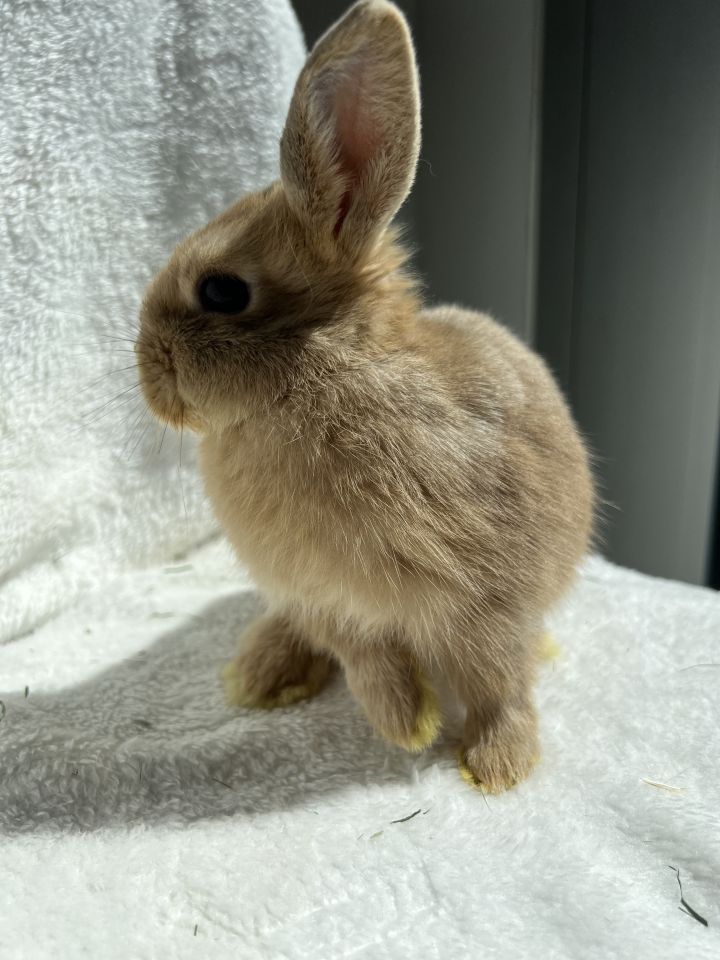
x: 405, y: 485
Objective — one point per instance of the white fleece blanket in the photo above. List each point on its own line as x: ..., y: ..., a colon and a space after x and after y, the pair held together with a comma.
x: 141, y: 818
x: 123, y: 126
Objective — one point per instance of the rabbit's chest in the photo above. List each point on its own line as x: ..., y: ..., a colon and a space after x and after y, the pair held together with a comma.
x: 296, y: 532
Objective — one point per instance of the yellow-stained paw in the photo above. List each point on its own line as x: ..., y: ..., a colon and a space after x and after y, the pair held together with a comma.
x: 548, y: 649
x: 499, y: 783
x: 238, y: 694
x: 428, y: 720
x: 466, y: 773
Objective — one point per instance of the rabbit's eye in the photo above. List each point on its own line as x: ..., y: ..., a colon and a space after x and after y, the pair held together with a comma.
x: 223, y: 293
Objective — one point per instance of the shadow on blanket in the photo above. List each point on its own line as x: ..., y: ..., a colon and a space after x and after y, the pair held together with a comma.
x: 151, y: 741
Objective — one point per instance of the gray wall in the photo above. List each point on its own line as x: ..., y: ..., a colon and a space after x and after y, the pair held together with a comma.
x: 631, y: 266
x: 476, y: 192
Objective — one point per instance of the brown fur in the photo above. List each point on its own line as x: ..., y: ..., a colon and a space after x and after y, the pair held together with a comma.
x: 406, y: 486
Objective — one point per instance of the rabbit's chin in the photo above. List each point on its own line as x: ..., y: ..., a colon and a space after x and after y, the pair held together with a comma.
x: 167, y: 405
x: 172, y: 409
x: 158, y: 382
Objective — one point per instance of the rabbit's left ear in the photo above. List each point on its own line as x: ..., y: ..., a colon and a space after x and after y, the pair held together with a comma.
x: 350, y: 145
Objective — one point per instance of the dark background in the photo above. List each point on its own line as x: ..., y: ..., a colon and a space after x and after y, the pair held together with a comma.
x: 569, y: 186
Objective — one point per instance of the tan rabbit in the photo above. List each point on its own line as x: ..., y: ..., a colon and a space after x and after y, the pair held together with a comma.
x: 406, y: 486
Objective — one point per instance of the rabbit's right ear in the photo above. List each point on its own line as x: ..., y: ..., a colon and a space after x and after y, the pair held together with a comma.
x: 350, y: 145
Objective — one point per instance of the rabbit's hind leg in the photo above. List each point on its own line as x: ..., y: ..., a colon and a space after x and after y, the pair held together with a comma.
x: 500, y: 740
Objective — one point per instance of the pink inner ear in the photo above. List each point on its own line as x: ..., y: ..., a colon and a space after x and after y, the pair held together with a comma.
x: 356, y: 134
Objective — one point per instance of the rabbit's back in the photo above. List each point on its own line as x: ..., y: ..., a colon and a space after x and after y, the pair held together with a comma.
x: 542, y: 463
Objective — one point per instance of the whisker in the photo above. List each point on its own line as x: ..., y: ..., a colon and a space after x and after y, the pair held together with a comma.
x: 141, y: 435
x: 100, y: 351
x: 99, y: 339
x: 108, y: 373
x: 182, y: 487
x: 130, y: 435
x: 113, y: 400
x: 113, y: 409
x: 162, y: 438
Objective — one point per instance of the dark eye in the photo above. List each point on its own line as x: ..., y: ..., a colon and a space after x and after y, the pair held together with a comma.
x: 223, y: 293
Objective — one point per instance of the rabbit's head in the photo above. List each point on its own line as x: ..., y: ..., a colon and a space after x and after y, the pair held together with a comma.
x: 288, y: 281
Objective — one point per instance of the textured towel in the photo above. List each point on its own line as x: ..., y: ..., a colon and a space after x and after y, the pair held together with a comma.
x: 122, y: 127
x: 136, y: 806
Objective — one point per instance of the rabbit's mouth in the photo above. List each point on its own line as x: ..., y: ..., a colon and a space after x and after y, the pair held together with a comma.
x: 158, y: 381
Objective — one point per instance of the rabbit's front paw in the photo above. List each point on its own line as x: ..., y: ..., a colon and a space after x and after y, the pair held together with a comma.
x: 275, y: 669
x: 399, y: 702
x: 416, y: 728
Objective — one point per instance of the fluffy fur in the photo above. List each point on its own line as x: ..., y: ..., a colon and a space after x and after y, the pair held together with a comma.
x: 406, y: 486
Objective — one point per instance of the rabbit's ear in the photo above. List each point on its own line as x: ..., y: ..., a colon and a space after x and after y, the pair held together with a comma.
x: 350, y: 145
